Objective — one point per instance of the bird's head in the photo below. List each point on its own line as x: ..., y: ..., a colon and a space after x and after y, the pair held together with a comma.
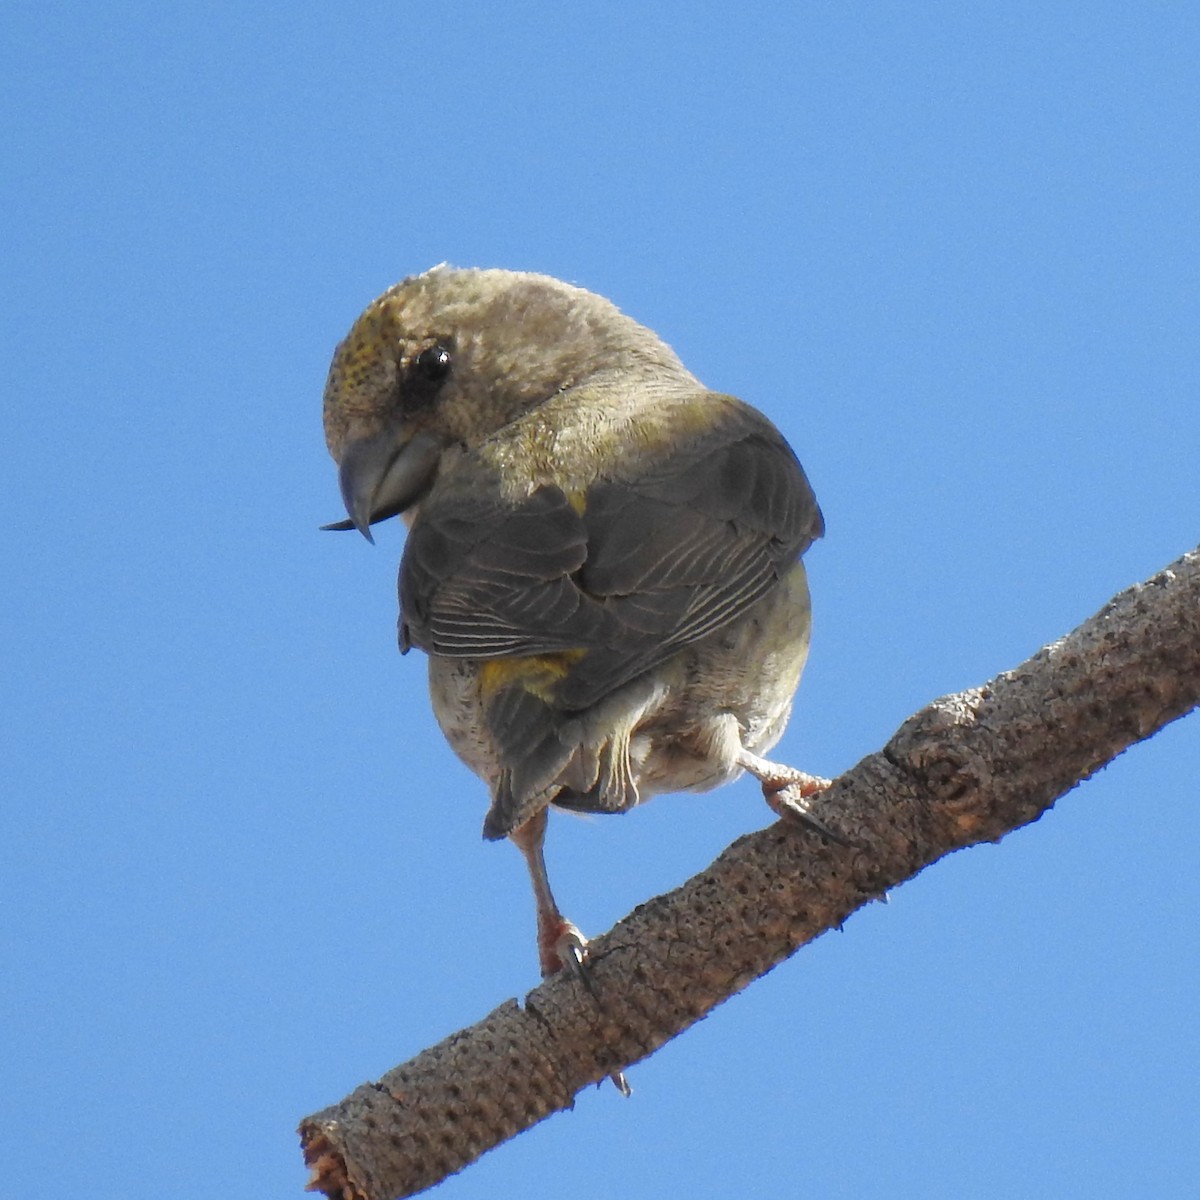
x: 443, y: 360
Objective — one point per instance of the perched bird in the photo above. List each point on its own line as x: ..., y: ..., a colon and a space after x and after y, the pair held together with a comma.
x: 603, y: 557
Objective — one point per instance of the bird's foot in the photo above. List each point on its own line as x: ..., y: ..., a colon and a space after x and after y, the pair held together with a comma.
x: 787, y: 792
x: 561, y: 944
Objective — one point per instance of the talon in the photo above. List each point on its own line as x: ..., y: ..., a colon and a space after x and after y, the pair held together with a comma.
x: 794, y: 809
x: 803, y: 785
x: 785, y: 790
x: 560, y: 944
x: 786, y: 797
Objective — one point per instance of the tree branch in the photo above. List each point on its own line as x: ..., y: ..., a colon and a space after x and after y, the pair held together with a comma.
x: 969, y: 768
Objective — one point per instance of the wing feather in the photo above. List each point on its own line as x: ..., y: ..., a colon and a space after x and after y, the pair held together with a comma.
x: 651, y: 556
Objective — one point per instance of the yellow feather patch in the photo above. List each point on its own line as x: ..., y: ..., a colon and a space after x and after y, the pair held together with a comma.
x: 536, y: 673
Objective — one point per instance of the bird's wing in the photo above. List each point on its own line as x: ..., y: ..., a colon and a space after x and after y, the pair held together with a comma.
x: 607, y: 581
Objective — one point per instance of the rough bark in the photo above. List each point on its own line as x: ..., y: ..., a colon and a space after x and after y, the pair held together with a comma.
x: 969, y: 768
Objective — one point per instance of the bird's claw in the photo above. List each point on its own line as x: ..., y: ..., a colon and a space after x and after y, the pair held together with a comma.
x: 777, y: 786
x: 787, y: 791
x: 790, y: 803
x: 563, y: 946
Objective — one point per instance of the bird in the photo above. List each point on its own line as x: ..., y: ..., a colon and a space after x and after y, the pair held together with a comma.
x: 603, y: 558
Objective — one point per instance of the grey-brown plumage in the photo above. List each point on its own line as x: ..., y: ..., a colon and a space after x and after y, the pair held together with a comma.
x: 603, y: 561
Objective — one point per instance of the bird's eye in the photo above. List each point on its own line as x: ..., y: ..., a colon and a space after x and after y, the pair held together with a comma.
x: 432, y: 365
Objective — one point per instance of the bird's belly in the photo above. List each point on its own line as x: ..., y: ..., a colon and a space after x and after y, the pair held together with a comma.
x: 730, y: 691
x: 736, y: 693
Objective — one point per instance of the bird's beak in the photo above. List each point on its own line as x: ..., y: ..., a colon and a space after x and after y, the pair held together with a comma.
x: 382, y: 474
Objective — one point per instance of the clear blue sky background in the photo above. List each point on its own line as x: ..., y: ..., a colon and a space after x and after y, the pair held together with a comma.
x: 952, y: 250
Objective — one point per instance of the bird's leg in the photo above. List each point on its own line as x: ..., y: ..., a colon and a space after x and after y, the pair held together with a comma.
x: 785, y: 789
x: 559, y: 941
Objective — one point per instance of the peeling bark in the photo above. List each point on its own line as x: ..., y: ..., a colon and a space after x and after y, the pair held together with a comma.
x: 968, y: 768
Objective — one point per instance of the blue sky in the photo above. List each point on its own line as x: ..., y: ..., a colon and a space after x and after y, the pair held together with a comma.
x: 952, y: 250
